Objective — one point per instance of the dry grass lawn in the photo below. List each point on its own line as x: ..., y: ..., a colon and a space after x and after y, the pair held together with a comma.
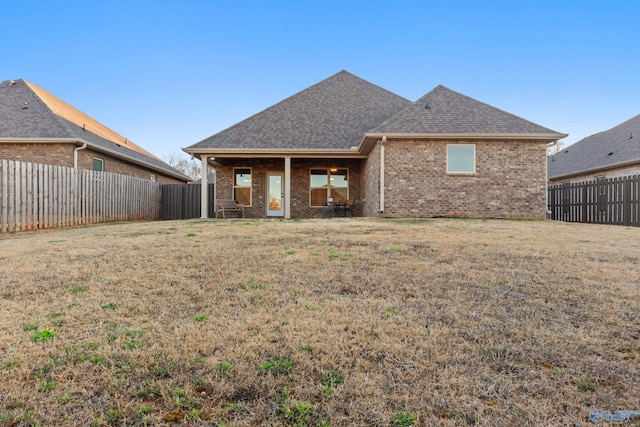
x: 340, y: 322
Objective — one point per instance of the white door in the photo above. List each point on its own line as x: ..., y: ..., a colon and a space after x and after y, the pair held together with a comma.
x: 275, y: 194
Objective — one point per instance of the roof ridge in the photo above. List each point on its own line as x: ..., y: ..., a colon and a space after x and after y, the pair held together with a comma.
x: 332, y: 113
x: 68, y: 112
x: 305, y: 90
x: 486, y: 104
x: 447, y: 111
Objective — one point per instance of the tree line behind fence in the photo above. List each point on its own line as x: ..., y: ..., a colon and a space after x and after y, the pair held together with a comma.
x: 613, y: 201
x: 34, y: 196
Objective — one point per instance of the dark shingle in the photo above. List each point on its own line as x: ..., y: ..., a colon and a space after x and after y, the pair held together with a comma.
x: 24, y: 114
x: 620, y: 144
x: 332, y: 114
x: 443, y: 111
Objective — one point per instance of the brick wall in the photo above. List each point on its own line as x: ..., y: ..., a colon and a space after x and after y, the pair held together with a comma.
x: 48, y: 154
x: 115, y: 165
x: 62, y: 155
x: 299, y: 182
x: 509, y: 181
x: 611, y: 173
x: 370, y: 203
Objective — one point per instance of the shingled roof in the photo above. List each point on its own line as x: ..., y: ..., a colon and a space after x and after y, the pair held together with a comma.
x: 617, y: 146
x: 31, y: 113
x: 443, y: 111
x: 332, y: 114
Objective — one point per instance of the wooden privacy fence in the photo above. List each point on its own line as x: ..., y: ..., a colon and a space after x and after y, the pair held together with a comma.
x: 182, y: 201
x: 604, y: 201
x: 34, y: 196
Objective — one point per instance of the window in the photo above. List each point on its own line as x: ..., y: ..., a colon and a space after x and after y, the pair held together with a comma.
x: 461, y: 158
x: 98, y: 164
x: 242, y: 186
x: 327, y: 183
x: 153, y: 177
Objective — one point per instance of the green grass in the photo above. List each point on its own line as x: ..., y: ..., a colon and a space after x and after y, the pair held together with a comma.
x: 278, y: 366
x: 110, y: 306
x: 223, y: 367
x: 404, y: 418
x: 43, y: 336
x: 9, y: 364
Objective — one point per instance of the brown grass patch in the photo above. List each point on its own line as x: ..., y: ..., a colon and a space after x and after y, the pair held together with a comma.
x: 460, y: 322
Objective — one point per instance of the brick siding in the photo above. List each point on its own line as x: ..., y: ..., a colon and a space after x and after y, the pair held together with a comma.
x: 48, y: 154
x: 509, y: 181
x: 62, y: 155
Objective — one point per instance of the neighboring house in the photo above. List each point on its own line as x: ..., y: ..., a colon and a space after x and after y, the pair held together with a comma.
x: 37, y: 127
x: 345, y: 138
x: 610, y: 154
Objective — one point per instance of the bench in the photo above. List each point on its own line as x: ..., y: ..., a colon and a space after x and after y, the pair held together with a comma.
x: 228, y: 206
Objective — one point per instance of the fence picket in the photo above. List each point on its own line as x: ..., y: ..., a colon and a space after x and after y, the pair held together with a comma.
x: 613, y: 201
x: 34, y: 196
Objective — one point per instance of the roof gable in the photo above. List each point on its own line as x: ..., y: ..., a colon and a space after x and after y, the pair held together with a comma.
x: 616, y: 146
x: 443, y: 111
x: 332, y: 114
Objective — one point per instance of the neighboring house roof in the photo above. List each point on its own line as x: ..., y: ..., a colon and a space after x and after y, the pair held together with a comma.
x: 29, y: 113
x: 616, y: 147
x: 443, y: 111
x: 333, y: 114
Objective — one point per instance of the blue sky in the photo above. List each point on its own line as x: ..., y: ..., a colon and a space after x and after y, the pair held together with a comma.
x: 166, y: 74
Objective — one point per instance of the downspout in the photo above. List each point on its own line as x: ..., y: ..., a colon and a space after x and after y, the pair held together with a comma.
x: 75, y: 154
x: 384, y: 140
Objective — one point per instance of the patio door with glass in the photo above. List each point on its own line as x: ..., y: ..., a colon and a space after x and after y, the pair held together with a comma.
x: 275, y: 194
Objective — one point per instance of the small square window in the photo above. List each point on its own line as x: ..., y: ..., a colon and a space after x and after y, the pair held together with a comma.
x: 98, y: 164
x: 461, y: 159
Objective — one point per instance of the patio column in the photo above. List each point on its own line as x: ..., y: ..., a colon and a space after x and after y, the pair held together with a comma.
x: 204, y: 194
x: 287, y: 187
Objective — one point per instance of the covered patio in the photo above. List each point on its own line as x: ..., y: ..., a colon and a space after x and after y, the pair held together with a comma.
x: 283, y: 186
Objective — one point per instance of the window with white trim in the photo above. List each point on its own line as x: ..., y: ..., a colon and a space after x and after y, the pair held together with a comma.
x: 98, y: 164
x: 461, y: 158
x: 242, y: 186
x: 328, y: 183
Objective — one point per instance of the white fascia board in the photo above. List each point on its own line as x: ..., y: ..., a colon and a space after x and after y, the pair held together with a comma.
x: 531, y: 136
x: 543, y: 137
x: 275, y: 153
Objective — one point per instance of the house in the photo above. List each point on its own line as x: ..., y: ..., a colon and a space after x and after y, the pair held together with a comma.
x: 347, y: 139
x: 610, y: 154
x: 36, y: 126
